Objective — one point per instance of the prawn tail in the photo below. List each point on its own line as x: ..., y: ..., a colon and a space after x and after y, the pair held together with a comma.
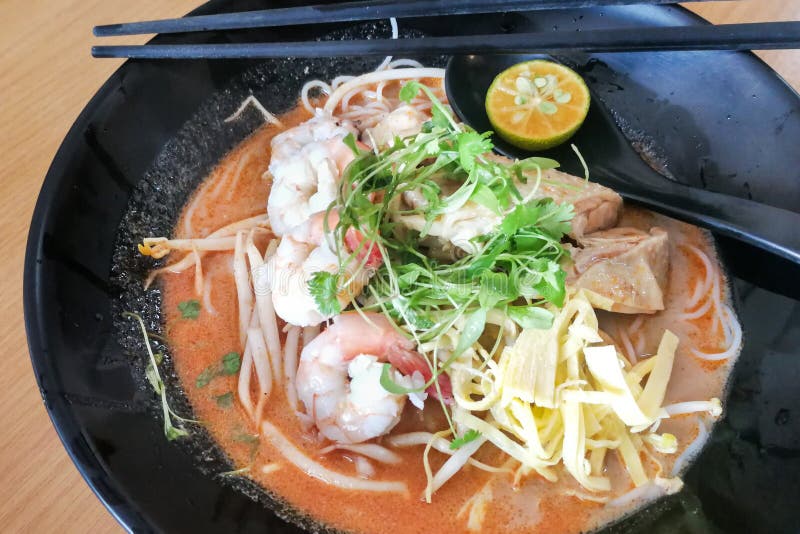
x: 408, y: 362
x: 365, y: 249
x: 445, y: 390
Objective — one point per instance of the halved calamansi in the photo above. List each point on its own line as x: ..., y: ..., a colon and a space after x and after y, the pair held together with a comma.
x: 537, y: 104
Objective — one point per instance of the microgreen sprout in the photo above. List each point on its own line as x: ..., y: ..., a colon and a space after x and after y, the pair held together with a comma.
x: 172, y: 430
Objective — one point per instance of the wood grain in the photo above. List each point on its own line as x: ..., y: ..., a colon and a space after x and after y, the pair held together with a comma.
x: 46, y: 77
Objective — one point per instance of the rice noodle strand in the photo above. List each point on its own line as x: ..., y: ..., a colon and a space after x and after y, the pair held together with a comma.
x: 266, y: 311
x: 370, y: 450
x: 243, y: 384
x: 244, y: 293
x: 290, y: 358
x: 374, y: 77
x: 318, y: 471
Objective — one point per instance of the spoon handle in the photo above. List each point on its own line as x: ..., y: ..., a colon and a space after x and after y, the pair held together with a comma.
x: 772, y: 229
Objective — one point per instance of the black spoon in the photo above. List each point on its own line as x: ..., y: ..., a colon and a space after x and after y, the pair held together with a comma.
x: 613, y: 162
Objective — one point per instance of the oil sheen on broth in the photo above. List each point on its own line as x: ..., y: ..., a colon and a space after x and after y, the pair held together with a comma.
x: 238, y: 188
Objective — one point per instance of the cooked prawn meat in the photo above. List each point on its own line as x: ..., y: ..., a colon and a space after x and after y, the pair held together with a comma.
x: 338, y: 379
x: 303, y: 251
x: 306, y: 164
x: 402, y: 122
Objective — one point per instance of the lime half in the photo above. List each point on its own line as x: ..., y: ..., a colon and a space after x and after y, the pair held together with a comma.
x: 537, y: 104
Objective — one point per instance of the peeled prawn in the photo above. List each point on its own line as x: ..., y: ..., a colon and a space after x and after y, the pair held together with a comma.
x: 338, y: 379
x: 402, y: 122
x: 302, y: 252
x: 306, y: 164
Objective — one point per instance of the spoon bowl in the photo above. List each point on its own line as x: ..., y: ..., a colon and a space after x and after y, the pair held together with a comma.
x: 613, y: 161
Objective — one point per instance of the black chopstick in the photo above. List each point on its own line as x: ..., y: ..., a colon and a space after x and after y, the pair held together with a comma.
x: 751, y: 36
x: 349, y: 11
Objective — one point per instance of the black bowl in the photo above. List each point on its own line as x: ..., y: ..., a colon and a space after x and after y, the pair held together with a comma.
x: 723, y: 121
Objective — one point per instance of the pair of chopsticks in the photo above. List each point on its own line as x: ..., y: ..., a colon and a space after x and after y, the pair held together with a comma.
x: 753, y: 36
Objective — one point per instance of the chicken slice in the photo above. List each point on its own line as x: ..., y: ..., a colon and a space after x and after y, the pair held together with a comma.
x: 596, y: 207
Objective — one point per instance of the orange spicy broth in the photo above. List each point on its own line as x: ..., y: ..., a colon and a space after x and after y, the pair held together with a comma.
x: 536, y: 504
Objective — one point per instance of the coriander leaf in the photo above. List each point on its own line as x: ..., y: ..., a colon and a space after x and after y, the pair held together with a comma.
x: 551, y: 284
x: 440, y: 117
x: 189, y: 309
x: 471, y: 332
x: 324, y: 287
x: 409, y: 91
x: 469, y: 435
x: 225, y: 400
x: 529, y: 243
x: 531, y: 316
x: 484, y: 196
x: 488, y: 258
x: 231, y: 363
x: 523, y: 215
x: 470, y: 146
x: 556, y: 219
x: 206, y: 376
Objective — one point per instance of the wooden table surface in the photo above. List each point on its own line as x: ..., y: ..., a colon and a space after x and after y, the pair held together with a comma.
x: 46, y: 78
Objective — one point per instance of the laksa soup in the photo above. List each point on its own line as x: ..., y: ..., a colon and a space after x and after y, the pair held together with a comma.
x: 393, y: 329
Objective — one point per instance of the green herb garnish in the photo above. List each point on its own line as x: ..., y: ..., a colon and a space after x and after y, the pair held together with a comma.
x: 231, y: 363
x: 250, y: 439
x: 208, y: 374
x: 190, y: 309
x: 469, y: 435
x: 225, y: 400
x: 243, y: 437
x: 228, y: 365
x: 323, y: 286
x: 172, y: 430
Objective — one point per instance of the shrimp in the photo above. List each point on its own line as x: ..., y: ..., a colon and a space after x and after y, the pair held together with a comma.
x: 306, y: 164
x: 358, y: 409
x: 306, y: 250
x: 404, y: 121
